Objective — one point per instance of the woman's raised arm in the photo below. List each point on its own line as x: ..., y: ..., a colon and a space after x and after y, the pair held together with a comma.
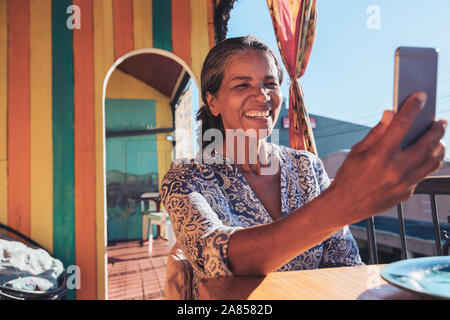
x: 376, y: 175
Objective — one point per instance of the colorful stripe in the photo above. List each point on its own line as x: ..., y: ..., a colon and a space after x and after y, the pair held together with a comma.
x: 199, y: 35
x: 180, y: 23
x: 3, y: 113
x: 162, y: 25
x: 19, y: 115
x: 163, y: 146
x: 143, y: 28
x: 211, y: 35
x: 63, y: 143
x: 104, y: 59
x: 84, y: 148
x: 123, y: 27
x: 41, y: 112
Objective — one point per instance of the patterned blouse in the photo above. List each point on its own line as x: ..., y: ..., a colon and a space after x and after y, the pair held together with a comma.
x: 208, y: 202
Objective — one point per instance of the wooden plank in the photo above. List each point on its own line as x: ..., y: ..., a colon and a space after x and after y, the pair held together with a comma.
x: 162, y: 24
x: 143, y: 27
x: 19, y: 115
x: 41, y: 123
x: 3, y: 80
x: 84, y: 152
x: 181, y: 26
x: 211, y: 36
x: 104, y: 58
x: 3, y: 112
x: 123, y: 27
x: 63, y: 146
x: 199, y: 35
x: 4, y: 192
x: 163, y: 146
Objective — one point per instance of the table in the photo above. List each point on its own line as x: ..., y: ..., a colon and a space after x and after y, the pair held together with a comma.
x: 343, y: 283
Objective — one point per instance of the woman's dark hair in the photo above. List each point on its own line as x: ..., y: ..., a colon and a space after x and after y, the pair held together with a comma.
x: 213, y: 73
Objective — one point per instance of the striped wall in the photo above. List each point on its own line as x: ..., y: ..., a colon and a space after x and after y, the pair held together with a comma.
x: 52, y: 119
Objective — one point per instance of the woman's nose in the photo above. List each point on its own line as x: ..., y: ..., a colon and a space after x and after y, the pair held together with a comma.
x: 261, y: 94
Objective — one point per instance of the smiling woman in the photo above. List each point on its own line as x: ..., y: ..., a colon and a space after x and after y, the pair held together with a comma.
x: 232, y: 217
x: 213, y: 76
x: 250, y: 97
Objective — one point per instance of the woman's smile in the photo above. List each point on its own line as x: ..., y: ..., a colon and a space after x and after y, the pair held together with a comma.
x: 258, y: 114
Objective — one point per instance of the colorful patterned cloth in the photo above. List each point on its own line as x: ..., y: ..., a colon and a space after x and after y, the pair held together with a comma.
x: 294, y: 23
x: 208, y: 202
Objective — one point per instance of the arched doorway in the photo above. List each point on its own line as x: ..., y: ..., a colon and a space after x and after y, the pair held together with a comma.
x: 147, y: 93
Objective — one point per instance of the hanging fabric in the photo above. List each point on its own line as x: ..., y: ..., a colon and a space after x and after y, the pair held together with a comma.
x: 294, y: 22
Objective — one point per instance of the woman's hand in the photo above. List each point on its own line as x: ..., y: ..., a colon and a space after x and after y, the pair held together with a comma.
x: 377, y: 174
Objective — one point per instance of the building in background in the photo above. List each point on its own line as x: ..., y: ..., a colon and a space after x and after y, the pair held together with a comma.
x: 331, y: 135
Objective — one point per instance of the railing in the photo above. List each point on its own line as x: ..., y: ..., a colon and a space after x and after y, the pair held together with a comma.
x: 432, y: 186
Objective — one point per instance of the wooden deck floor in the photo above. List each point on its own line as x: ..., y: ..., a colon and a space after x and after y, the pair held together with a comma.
x: 133, y: 274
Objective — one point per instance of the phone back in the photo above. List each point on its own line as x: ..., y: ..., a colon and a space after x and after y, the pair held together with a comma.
x: 416, y: 70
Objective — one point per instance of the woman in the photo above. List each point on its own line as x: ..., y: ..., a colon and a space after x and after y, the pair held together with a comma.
x: 232, y: 218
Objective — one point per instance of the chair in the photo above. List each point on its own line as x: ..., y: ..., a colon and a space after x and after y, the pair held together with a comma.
x: 431, y: 186
x: 178, y: 284
x: 161, y: 219
x: 152, y: 215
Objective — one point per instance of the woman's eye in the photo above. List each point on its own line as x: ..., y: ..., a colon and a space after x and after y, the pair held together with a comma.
x: 242, y: 86
x: 271, y: 84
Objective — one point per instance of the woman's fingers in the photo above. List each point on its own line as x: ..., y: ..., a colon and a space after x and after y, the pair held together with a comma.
x: 429, y: 165
x: 393, y: 127
x: 403, y: 120
x: 375, y: 133
x: 425, y: 147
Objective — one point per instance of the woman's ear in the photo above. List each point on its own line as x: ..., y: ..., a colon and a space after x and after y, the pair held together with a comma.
x: 211, y: 100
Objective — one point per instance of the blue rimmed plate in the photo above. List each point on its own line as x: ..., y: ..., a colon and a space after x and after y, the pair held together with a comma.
x: 429, y: 276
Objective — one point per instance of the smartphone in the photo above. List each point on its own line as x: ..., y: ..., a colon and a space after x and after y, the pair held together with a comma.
x: 416, y: 70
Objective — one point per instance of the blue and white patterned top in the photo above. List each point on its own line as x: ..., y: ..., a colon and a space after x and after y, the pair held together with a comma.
x: 208, y: 202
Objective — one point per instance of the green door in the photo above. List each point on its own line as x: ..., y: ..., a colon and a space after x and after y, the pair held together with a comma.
x: 131, y: 166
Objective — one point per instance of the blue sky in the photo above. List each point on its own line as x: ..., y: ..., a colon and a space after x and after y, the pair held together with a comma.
x: 350, y: 74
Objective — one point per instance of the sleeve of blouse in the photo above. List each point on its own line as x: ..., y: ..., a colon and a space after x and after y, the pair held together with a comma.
x: 201, y: 234
x: 341, y: 248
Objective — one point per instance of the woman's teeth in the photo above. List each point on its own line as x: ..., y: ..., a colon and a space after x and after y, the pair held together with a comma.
x: 258, y: 114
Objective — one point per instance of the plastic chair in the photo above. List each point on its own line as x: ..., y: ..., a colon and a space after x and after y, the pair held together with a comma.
x: 157, y: 218
x: 150, y: 209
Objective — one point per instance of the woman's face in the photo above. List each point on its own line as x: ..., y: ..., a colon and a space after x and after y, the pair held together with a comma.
x: 249, y: 96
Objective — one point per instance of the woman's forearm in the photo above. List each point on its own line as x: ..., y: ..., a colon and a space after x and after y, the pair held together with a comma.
x: 265, y: 248
x: 376, y: 175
